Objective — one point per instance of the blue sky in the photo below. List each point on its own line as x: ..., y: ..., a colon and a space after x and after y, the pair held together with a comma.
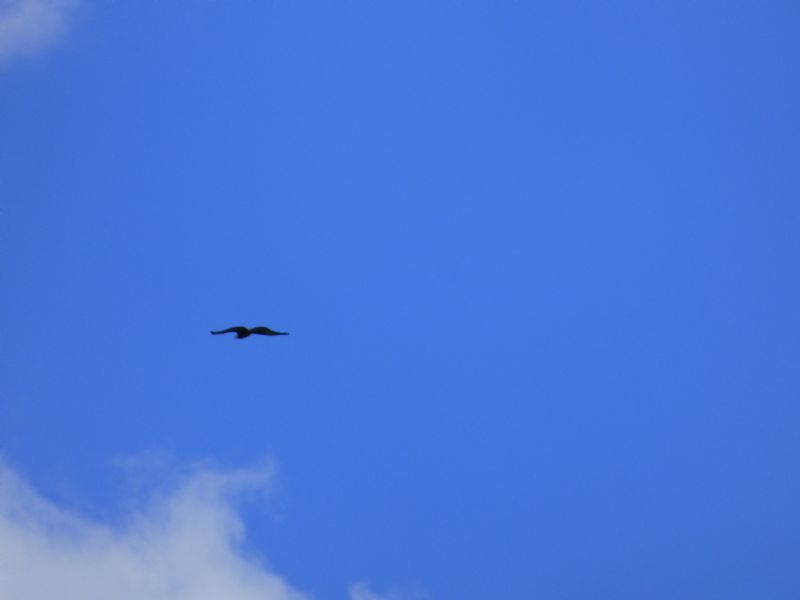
x: 538, y: 261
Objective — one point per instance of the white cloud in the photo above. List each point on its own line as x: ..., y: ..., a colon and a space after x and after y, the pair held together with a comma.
x: 27, y: 26
x: 185, y: 546
x: 361, y: 591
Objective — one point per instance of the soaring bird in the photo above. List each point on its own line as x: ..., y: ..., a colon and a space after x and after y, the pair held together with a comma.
x: 243, y: 332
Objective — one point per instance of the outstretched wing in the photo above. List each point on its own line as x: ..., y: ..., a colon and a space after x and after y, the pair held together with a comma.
x: 239, y: 331
x: 266, y: 331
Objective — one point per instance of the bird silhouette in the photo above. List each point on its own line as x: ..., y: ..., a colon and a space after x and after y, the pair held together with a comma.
x: 243, y: 332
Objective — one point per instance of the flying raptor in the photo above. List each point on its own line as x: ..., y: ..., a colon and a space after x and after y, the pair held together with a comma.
x: 243, y: 332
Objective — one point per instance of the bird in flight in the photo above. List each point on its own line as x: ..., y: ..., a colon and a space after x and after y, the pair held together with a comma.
x: 243, y: 332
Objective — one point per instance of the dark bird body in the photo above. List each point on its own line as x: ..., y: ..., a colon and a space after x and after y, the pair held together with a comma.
x: 243, y: 332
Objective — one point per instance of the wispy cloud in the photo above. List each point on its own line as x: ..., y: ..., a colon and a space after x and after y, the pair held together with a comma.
x: 185, y: 546
x: 27, y: 26
x: 361, y: 591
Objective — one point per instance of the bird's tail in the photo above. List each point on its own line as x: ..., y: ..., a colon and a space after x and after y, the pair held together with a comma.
x: 216, y: 332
